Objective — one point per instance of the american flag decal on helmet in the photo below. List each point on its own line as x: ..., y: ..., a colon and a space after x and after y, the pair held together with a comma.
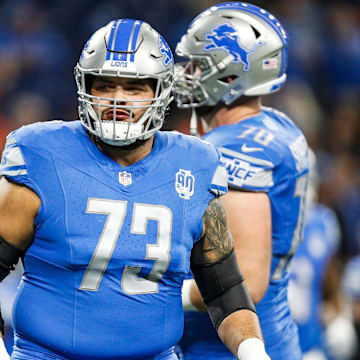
x: 270, y: 64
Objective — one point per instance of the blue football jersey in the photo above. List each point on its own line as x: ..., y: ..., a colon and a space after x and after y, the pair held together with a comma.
x: 308, y: 268
x: 112, y: 244
x: 266, y: 153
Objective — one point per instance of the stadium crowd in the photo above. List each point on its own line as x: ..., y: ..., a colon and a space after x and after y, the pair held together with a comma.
x: 39, y: 40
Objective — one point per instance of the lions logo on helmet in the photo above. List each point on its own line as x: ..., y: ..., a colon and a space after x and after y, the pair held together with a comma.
x: 225, y: 36
x: 165, y: 50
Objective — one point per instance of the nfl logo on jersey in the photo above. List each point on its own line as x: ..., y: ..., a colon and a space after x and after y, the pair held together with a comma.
x: 125, y: 178
x: 184, y: 184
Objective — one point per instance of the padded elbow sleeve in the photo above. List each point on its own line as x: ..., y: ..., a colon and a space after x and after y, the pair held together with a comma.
x: 222, y: 287
x: 9, y: 256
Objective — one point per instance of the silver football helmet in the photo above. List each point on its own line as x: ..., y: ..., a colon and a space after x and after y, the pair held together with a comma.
x: 234, y: 49
x: 130, y: 49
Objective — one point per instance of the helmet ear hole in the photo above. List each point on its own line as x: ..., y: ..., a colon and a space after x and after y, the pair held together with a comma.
x: 228, y: 79
x: 257, y: 34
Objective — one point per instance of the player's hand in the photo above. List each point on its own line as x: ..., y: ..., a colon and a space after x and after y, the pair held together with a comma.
x: 3, y: 353
x: 252, y: 349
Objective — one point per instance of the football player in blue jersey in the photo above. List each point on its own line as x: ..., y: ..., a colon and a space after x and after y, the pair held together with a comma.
x: 235, y: 53
x: 311, y: 270
x: 108, y: 214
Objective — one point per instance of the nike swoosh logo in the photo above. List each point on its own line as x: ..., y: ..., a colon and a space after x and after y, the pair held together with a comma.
x: 246, y: 148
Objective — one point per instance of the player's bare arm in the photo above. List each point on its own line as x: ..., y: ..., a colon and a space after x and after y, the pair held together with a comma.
x: 18, y: 208
x: 213, y: 263
x: 252, y: 237
x: 216, y: 241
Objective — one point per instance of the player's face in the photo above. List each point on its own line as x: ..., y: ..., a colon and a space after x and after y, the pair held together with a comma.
x: 131, y: 94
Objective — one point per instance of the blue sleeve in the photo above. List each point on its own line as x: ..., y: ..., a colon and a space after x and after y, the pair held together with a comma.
x: 13, y: 165
x: 213, y: 177
x: 219, y: 184
x: 248, y: 172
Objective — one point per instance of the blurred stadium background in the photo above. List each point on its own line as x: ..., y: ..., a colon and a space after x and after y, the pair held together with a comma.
x: 41, y: 40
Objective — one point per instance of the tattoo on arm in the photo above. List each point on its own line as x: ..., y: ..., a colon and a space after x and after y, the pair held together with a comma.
x: 217, y: 241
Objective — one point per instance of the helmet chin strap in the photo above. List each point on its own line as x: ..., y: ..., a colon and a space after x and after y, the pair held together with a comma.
x: 118, y: 143
x: 205, y: 125
x: 133, y: 146
x: 121, y: 143
x: 194, y: 123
